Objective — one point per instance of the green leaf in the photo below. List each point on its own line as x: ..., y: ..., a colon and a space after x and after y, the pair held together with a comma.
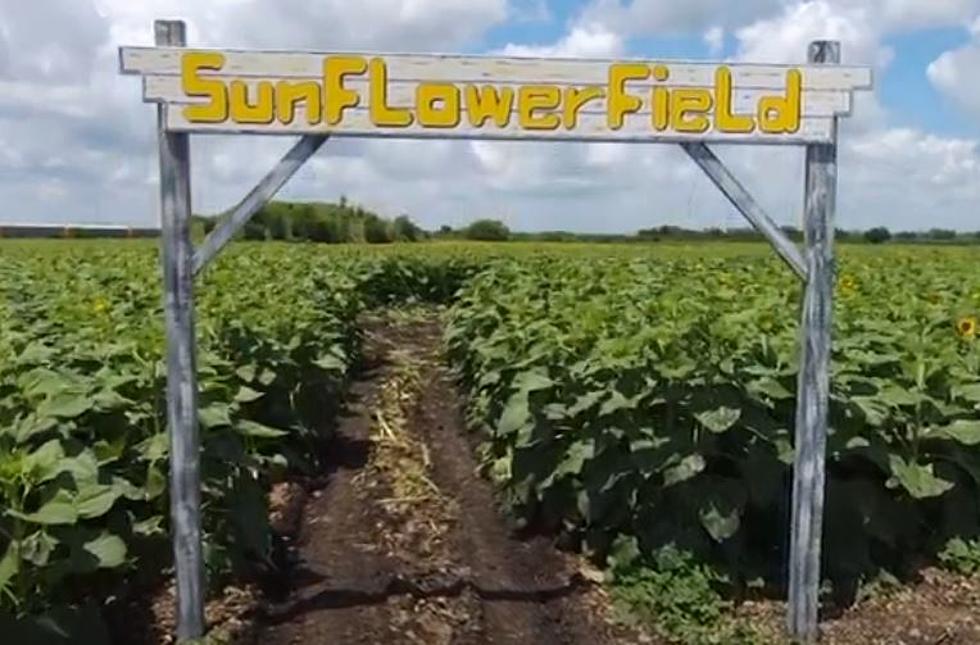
x: 533, y: 380
x: 10, y: 564
x: 155, y: 448
x: 45, y: 463
x: 719, y: 420
x: 60, y: 509
x: 575, y: 458
x: 721, y: 521
x: 95, y: 500
x: 969, y: 392
x: 246, y: 373
x: 330, y: 363
x: 37, y: 547
x: 109, y: 550
x: 255, y: 429
x: 617, y: 402
x: 65, y: 405
x: 771, y: 388
x: 963, y: 431
x: 267, y: 377
x: 216, y: 415
x: 247, y: 395
x: 720, y: 510
x: 689, y: 467
x: 920, y: 481
x: 149, y: 527
x: 516, y: 414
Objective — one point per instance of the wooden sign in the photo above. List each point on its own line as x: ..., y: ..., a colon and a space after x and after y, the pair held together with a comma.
x: 401, y: 95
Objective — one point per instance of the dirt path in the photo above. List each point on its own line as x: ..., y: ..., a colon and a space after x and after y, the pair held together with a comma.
x: 406, y: 544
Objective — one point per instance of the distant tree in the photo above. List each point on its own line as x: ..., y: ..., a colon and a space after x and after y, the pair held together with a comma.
x: 907, y: 236
x: 377, y: 230
x: 405, y: 229
x: 488, y: 230
x: 446, y: 229
x: 878, y: 235
x: 941, y: 234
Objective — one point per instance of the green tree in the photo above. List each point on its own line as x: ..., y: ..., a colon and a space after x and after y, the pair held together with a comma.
x: 488, y: 230
x: 878, y: 235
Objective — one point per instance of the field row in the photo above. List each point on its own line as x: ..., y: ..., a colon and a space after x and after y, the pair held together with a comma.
x: 629, y: 397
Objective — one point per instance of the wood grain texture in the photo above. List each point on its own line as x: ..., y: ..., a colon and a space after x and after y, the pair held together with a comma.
x: 814, y: 379
x: 256, y: 199
x: 178, y: 277
x: 481, y: 69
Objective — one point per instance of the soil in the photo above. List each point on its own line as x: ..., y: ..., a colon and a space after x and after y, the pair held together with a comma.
x: 406, y: 543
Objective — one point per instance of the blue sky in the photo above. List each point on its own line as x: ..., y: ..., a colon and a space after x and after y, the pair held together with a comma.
x: 77, y: 143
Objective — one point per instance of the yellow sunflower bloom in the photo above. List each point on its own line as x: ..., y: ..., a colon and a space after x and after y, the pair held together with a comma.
x: 967, y: 327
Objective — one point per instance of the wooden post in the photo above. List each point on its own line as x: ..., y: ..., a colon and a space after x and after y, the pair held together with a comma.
x: 178, y: 280
x: 814, y: 377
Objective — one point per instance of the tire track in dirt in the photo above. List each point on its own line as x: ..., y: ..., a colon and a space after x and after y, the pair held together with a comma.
x: 406, y: 543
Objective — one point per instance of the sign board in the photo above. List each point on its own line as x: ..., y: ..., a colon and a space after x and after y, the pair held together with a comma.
x: 474, y: 97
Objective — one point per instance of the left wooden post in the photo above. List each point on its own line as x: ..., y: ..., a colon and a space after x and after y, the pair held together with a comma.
x: 178, y: 281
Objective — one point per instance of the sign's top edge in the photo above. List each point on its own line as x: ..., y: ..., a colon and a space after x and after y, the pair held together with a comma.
x: 499, y: 57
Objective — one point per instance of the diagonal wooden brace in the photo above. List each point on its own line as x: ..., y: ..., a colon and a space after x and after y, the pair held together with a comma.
x: 744, y: 202
x: 257, y: 198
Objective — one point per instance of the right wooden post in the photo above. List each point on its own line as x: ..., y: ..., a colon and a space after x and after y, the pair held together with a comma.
x: 813, y: 397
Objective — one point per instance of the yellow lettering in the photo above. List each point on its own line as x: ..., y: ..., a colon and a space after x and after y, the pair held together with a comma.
x: 725, y: 120
x: 289, y: 94
x: 532, y: 98
x: 262, y: 111
x: 661, y: 108
x: 575, y: 100
x: 781, y: 114
x: 382, y: 114
x: 437, y: 105
x: 688, y: 108
x: 489, y: 102
x: 621, y: 103
x: 337, y: 97
x: 216, y: 110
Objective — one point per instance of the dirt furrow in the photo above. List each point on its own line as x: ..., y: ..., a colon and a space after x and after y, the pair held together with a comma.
x: 406, y: 544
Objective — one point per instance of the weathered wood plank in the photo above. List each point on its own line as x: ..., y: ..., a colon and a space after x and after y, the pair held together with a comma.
x: 591, y: 127
x: 742, y: 200
x: 814, y: 378
x: 455, y: 68
x: 177, y: 255
x: 402, y: 94
x: 256, y: 198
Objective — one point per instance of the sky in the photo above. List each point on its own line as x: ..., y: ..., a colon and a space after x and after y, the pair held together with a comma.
x: 77, y: 144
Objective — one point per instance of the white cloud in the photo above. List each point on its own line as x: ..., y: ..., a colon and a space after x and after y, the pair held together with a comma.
x: 954, y: 73
x: 583, y: 41
x: 714, y: 38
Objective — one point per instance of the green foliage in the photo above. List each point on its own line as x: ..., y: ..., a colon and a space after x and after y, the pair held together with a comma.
x: 329, y: 224
x: 878, y: 235
x: 961, y: 556
x: 677, y: 597
x: 657, y: 400
x: 487, y: 230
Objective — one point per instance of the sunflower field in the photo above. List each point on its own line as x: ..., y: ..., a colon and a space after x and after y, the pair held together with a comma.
x: 626, y: 396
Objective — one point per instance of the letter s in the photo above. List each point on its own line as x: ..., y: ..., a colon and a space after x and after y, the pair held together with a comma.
x: 216, y: 110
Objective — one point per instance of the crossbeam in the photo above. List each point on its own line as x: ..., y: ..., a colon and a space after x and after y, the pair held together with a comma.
x: 741, y: 199
x: 292, y: 161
